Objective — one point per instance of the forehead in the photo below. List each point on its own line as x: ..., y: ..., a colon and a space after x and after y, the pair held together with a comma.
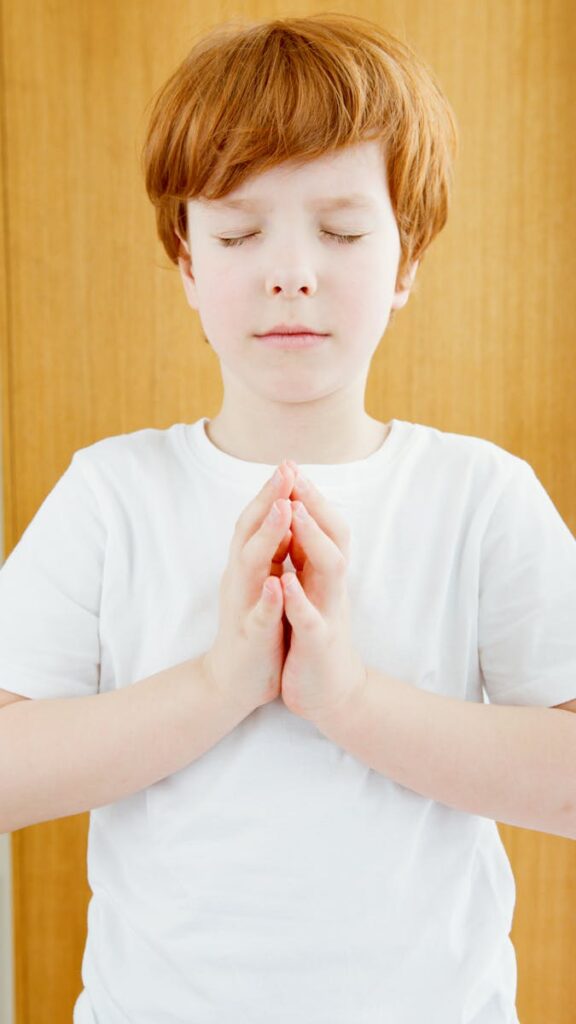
x: 353, y: 178
x: 352, y: 200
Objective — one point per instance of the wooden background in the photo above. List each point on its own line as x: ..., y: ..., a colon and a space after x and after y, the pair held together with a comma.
x: 97, y: 338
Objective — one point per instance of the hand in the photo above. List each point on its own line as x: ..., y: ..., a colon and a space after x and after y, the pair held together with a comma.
x: 245, y: 661
x: 323, y: 670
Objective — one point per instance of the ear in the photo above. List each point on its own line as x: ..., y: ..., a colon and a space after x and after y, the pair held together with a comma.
x: 185, y: 268
x: 402, y: 292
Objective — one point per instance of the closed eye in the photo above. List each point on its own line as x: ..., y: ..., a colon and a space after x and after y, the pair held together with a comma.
x: 341, y: 239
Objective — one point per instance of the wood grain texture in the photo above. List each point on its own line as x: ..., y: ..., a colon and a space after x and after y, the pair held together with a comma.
x: 98, y: 339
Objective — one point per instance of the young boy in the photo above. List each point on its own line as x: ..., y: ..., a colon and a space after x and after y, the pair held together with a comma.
x: 294, y: 792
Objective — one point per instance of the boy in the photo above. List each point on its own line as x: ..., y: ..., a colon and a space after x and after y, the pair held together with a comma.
x: 293, y: 793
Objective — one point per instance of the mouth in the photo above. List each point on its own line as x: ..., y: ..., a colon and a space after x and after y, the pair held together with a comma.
x: 292, y: 341
x: 286, y: 328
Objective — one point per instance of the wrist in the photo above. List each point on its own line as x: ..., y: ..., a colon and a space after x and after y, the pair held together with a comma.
x: 221, y: 694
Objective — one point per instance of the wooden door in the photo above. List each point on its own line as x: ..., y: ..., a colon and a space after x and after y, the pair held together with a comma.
x: 99, y: 340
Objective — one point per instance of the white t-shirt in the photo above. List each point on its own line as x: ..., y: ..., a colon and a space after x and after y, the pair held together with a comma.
x: 278, y: 879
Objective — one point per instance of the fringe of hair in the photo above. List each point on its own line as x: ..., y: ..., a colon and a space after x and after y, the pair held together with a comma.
x: 251, y: 95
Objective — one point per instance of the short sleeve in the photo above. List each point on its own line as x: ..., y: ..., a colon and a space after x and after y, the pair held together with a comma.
x: 527, y: 598
x: 50, y: 589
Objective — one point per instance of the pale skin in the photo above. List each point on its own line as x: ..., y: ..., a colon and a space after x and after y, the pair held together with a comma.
x: 512, y: 764
x: 289, y: 267
x: 516, y: 765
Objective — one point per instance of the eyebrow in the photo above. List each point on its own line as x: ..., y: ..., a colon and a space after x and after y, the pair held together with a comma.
x: 354, y: 200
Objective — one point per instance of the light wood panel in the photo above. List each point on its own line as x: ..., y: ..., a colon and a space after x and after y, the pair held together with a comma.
x: 98, y: 339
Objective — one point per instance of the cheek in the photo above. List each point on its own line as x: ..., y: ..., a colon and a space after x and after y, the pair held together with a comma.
x: 224, y: 292
x: 362, y: 300
x: 365, y: 286
x: 240, y: 291
x: 227, y: 307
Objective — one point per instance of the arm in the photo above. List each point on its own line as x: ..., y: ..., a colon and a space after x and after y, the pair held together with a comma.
x: 512, y: 764
x: 516, y: 765
x: 62, y: 756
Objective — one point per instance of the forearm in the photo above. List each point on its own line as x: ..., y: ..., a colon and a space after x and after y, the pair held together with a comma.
x: 62, y: 756
x: 516, y: 765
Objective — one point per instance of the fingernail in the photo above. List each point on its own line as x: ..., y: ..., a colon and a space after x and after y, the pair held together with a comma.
x: 301, y: 482
x: 277, y: 478
x: 301, y: 511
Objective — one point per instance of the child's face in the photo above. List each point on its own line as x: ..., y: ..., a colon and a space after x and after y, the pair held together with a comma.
x: 292, y: 271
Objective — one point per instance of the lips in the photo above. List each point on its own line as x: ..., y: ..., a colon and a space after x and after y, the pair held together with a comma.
x: 282, y: 329
x: 292, y: 341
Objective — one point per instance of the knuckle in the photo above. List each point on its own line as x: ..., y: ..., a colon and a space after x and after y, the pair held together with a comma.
x: 239, y: 534
x: 308, y: 625
x: 245, y: 556
x: 258, y: 620
x: 244, y: 628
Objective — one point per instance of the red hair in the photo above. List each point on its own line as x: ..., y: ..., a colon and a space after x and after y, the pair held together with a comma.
x: 249, y: 96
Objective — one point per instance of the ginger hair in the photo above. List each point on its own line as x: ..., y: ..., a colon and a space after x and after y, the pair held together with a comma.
x: 251, y: 95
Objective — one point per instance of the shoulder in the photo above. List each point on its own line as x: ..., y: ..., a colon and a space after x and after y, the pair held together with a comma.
x: 468, y: 461
x: 127, y: 457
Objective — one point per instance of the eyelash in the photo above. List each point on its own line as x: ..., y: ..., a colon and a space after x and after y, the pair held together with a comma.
x: 341, y: 239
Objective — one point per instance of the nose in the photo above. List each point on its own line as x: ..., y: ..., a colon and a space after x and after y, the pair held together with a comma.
x: 291, y: 282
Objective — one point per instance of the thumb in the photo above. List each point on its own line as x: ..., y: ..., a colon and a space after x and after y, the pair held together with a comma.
x: 299, y: 610
x: 293, y: 593
x: 271, y: 597
x: 269, y: 608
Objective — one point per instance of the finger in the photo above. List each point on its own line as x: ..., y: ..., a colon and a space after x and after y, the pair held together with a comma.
x: 300, y: 612
x: 255, y: 558
x: 252, y: 517
x: 270, y: 606
x: 279, y: 556
x: 297, y: 553
x: 320, y: 508
x: 324, y: 555
x: 325, y: 573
